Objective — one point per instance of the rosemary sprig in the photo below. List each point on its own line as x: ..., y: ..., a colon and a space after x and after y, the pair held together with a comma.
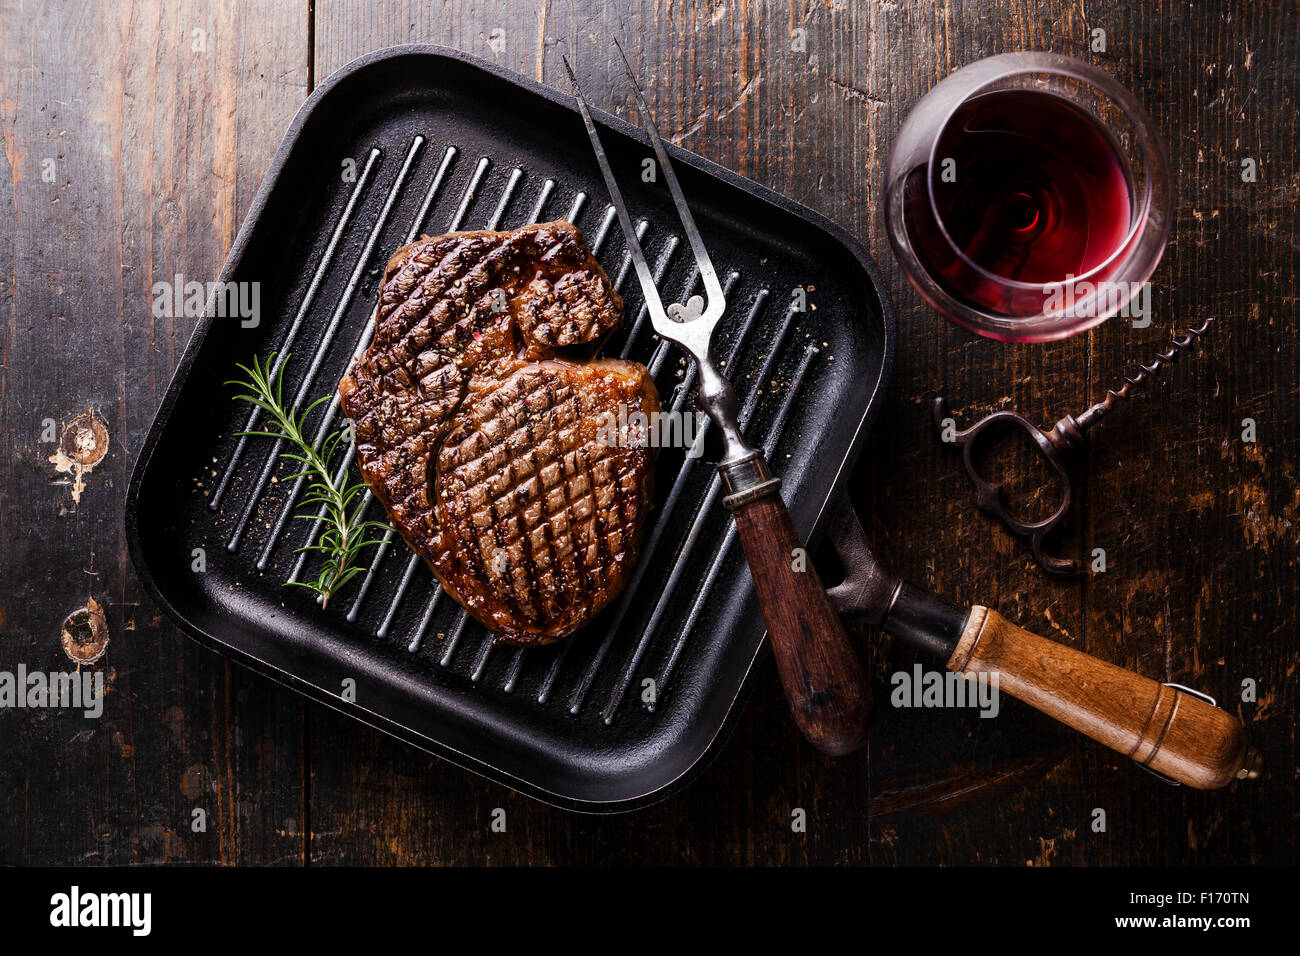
x: 345, y: 534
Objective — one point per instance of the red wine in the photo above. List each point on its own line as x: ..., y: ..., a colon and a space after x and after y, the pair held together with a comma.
x: 1029, y: 188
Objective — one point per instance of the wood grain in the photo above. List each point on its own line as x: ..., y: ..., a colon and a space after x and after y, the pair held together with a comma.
x: 1159, y: 727
x: 821, y: 673
x: 156, y: 150
x: 161, y: 152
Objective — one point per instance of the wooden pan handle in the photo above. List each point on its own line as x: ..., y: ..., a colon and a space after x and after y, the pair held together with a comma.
x: 823, y: 678
x: 1174, y: 733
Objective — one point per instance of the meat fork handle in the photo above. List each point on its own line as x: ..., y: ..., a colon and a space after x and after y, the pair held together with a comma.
x: 823, y: 677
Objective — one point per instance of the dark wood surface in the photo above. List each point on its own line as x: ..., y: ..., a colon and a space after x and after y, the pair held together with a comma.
x: 158, y: 149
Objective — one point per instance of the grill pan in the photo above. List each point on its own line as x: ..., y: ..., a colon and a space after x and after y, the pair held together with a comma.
x: 420, y: 139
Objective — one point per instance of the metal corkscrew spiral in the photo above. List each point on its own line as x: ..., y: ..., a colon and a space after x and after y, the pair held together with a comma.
x: 1144, y: 372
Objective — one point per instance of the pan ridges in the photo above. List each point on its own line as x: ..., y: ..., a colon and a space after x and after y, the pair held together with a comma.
x: 480, y: 433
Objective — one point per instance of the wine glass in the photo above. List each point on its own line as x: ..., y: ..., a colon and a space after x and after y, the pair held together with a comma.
x: 1028, y: 197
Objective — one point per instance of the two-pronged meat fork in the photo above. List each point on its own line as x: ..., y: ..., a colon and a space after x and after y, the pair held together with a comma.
x: 823, y: 678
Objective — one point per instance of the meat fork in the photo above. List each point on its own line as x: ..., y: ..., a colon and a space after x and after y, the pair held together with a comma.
x: 820, y: 671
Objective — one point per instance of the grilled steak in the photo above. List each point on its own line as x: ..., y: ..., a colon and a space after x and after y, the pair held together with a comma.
x: 479, y: 426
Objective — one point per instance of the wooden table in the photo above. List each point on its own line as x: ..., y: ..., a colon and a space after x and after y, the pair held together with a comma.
x: 134, y: 138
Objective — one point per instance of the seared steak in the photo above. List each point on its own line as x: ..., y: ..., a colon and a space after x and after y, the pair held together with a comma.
x: 480, y: 428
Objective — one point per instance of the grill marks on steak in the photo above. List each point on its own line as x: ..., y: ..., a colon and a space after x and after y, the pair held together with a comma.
x: 541, y: 517
x: 483, y: 296
x: 479, y: 432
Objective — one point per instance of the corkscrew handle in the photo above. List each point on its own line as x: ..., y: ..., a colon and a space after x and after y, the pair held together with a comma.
x: 991, y: 496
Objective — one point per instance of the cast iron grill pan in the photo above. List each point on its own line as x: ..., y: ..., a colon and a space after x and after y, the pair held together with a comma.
x: 420, y: 140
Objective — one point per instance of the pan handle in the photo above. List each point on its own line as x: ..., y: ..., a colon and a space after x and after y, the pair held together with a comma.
x: 1165, y: 729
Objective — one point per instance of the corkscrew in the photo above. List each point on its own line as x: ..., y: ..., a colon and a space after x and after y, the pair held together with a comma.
x: 1055, y: 445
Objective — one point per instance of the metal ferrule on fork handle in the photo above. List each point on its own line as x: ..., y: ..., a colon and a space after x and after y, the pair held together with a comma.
x: 743, y: 469
x: 747, y: 480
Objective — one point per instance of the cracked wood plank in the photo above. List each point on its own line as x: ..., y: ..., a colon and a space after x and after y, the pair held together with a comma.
x: 129, y: 155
